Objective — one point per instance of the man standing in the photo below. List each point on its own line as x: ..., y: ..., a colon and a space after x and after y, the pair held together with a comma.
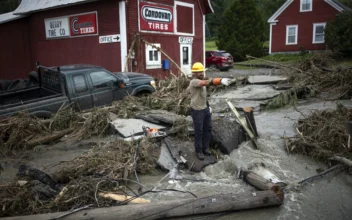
x: 200, y: 111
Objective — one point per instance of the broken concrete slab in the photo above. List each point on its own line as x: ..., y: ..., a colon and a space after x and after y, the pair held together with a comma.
x: 227, y: 134
x: 220, y: 105
x: 161, y: 117
x: 186, y: 149
x: 265, y: 79
x: 130, y: 127
x: 165, y: 160
x: 283, y: 86
x: 249, y: 92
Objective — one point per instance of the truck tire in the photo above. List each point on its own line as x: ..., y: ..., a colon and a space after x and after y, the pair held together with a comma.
x: 4, y: 84
x: 33, y: 76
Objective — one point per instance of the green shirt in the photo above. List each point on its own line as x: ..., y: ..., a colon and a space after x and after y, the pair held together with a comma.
x: 198, y: 95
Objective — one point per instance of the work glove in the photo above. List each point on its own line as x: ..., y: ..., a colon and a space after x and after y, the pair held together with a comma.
x: 225, y: 81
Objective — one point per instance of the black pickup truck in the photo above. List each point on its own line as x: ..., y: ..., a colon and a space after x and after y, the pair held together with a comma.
x: 84, y: 86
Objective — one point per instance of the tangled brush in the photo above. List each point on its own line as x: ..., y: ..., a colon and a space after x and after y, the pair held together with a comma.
x: 323, y: 134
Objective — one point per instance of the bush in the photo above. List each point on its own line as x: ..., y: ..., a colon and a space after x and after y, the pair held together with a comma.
x: 338, y: 34
x: 241, y: 32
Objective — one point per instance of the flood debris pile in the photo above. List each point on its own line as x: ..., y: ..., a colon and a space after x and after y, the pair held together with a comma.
x: 97, y: 178
x: 314, y: 76
x: 323, y: 134
x: 16, y: 131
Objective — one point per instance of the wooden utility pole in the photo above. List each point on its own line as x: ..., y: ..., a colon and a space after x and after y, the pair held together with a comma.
x: 175, y: 208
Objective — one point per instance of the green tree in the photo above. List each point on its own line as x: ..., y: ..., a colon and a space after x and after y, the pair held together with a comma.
x: 347, y: 3
x: 8, y: 5
x: 242, y: 30
x: 214, y: 20
x: 268, y: 8
x: 338, y: 34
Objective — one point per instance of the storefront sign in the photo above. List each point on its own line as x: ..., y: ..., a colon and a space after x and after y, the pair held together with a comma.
x: 109, y: 39
x: 57, y: 27
x: 85, y: 24
x: 154, y: 17
x: 185, y: 40
x: 71, y: 26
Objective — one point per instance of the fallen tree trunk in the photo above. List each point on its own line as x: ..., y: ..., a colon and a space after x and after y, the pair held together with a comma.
x: 342, y: 160
x: 262, y: 184
x: 48, y: 138
x: 166, y: 209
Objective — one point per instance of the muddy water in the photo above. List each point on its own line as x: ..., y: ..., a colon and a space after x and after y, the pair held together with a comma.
x: 327, y: 198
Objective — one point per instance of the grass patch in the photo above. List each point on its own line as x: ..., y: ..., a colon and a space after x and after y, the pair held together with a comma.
x: 210, y: 45
x: 279, y: 58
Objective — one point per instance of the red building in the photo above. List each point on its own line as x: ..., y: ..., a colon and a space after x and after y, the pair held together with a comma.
x: 299, y: 24
x: 101, y: 32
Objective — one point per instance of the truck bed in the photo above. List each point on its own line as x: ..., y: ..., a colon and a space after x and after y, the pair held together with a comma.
x: 25, y: 96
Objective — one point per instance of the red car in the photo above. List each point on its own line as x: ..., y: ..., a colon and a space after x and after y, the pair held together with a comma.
x: 218, y: 59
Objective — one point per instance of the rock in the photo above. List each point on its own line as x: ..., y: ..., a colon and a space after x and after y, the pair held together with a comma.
x: 165, y: 160
x: 186, y: 150
x: 129, y: 127
x: 227, y: 134
x: 265, y: 79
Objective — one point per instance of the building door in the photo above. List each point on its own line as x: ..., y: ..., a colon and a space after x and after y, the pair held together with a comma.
x: 186, y: 58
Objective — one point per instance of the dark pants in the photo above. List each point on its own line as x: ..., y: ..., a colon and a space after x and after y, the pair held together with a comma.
x: 202, y: 128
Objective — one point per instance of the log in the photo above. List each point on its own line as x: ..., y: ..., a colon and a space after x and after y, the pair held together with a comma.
x: 167, y: 209
x: 342, y: 160
x: 262, y: 184
x: 49, y: 138
x: 122, y: 198
x: 248, y: 113
x: 36, y: 174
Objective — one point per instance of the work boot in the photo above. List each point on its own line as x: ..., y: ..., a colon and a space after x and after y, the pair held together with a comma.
x: 206, y: 152
x: 200, y: 155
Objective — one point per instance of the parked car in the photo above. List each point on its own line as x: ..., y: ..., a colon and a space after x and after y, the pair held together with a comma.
x: 219, y: 59
x: 83, y: 86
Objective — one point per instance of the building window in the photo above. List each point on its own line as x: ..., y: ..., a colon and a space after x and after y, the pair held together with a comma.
x: 184, y: 18
x: 318, y: 33
x: 153, y: 57
x: 306, y: 5
x: 291, y: 34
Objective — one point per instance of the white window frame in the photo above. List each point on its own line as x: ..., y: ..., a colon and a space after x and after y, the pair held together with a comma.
x: 175, y: 16
x: 301, y: 6
x: 152, y: 64
x: 314, y: 32
x: 296, y: 37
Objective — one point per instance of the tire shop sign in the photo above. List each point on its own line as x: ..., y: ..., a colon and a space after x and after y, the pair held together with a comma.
x: 154, y: 17
x: 71, y: 26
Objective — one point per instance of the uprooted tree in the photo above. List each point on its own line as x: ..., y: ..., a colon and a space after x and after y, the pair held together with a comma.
x: 242, y: 30
x: 338, y: 34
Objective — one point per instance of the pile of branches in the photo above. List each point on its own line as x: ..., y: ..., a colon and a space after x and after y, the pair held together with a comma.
x: 171, y: 95
x: 17, y: 130
x: 323, y: 135
x: 315, y: 76
x: 105, y: 169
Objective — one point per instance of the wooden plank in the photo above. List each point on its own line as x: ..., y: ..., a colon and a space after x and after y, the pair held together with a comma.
x: 175, y: 208
x: 243, y: 123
